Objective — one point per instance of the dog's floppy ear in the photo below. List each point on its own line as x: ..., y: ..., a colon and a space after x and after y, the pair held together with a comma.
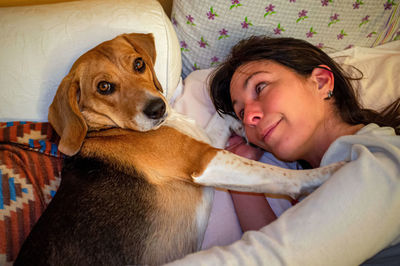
x: 145, y: 42
x: 65, y: 117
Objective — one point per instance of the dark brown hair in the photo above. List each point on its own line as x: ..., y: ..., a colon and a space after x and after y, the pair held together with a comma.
x: 302, y: 57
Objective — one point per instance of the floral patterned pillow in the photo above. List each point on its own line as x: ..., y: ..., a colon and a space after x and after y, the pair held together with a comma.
x: 207, y: 29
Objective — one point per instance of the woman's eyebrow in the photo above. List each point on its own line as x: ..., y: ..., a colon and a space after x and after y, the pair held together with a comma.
x: 246, y: 82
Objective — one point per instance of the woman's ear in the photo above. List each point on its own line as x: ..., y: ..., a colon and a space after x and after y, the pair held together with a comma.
x: 325, y: 80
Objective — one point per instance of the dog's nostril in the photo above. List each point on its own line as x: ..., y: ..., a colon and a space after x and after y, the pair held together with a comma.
x: 155, y: 109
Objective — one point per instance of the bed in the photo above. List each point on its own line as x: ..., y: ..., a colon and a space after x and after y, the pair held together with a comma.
x: 39, y: 43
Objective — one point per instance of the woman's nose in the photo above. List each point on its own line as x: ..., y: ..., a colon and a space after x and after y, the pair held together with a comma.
x: 252, y: 116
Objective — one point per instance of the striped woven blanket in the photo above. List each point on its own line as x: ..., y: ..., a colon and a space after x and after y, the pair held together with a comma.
x: 30, y: 169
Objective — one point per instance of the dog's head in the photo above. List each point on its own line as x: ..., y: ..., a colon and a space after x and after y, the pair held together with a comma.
x: 112, y: 85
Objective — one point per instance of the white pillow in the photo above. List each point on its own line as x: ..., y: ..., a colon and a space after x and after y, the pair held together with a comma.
x: 380, y: 85
x: 38, y: 45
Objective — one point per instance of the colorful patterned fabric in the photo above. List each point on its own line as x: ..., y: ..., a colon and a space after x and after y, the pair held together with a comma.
x: 208, y: 29
x: 30, y: 169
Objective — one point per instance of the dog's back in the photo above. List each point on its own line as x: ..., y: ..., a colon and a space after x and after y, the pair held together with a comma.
x: 107, y: 212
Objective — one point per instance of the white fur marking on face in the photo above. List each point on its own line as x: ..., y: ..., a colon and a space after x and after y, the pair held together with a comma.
x: 143, y: 123
x: 229, y: 171
x: 140, y: 121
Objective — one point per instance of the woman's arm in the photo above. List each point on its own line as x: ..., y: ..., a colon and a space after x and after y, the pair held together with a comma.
x: 351, y: 217
x: 252, y: 209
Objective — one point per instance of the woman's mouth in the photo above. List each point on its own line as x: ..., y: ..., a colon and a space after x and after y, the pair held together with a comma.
x: 269, y: 131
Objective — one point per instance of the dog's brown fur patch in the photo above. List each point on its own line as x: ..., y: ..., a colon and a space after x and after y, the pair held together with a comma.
x: 167, y: 159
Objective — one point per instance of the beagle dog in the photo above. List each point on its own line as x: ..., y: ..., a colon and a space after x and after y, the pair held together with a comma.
x: 135, y: 182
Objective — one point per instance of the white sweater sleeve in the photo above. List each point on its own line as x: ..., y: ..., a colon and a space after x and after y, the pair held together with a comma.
x: 350, y: 218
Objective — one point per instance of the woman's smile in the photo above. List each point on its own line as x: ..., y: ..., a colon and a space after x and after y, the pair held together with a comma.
x: 269, y: 130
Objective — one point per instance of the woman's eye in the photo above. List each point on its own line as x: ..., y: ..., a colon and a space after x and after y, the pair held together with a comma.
x: 105, y: 88
x: 260, y: 87
x: 241, y: 114
x: 139, y: 65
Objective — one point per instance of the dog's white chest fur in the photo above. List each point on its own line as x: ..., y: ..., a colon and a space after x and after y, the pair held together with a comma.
x: 187, y: 126
x: 216, y: 133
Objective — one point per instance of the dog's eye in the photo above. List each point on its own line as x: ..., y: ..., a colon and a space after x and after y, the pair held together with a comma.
x: 139, y: 65
x: 105, y: 88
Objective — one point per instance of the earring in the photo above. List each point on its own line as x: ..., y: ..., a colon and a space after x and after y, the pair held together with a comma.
x: 330, y: 94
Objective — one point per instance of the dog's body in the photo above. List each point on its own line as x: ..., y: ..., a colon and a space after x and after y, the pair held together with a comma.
x: 121, y: 202
x: 127, y: 195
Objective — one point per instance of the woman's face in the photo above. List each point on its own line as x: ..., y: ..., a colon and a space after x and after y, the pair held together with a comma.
x: 281, y: 110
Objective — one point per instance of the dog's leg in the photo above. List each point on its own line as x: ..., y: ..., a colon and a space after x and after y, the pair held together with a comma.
x: 229, y: 171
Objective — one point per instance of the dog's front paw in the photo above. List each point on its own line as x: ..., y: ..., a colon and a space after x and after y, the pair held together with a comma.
x: 220, y: 128
x: 235, y: 126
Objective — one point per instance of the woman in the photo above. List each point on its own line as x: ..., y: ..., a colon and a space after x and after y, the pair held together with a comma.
x: 298, y: 104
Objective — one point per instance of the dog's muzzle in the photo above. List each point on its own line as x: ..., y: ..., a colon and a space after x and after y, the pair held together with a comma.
x: 155, y: 109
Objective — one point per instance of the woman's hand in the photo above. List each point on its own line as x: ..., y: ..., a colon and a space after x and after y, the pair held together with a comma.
x: 239, y: 146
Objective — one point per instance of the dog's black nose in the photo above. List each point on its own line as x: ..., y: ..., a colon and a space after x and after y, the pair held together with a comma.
x: 155, y: 109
